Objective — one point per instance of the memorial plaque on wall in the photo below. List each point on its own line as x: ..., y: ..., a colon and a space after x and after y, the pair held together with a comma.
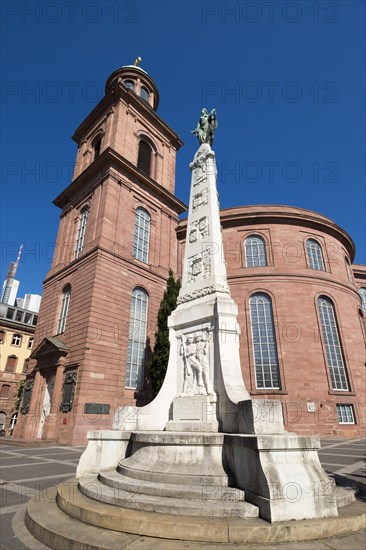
x: 96, y: 408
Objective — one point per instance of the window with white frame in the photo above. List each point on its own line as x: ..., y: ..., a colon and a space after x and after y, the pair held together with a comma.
x: 140, y: 249
x: 255, y: 251
x: 65, y: 303
x: 362, y: 293
x: 137, y: 339
x: 30, y: 343
x: 16, y: 340
x: 315, y: 255
x: 81, y: 231
x: 332, y: 344
x: 266, y: 365
x: 345, y: 414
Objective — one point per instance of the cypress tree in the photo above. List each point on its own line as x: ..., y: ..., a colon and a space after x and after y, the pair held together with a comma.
x: 160, y: 356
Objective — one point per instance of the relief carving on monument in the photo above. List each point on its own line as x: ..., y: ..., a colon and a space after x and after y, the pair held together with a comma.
x: 196, y: 370
x: 199, y: 228
x: 199, y: 267
x: 199, y: 174
x: 199, y: 199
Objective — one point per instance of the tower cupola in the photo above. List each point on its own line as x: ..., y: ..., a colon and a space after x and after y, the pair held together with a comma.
x: 138, y: 81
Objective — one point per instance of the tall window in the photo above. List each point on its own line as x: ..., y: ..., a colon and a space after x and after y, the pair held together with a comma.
x: 64, y: 309
x: 137, y: 339
x: 144, y: 93
x: 264, y: 342
x: 255, y: 252
x: 81, y: 231
x: 140, y: 249
x: 129, y: 84
x: 30, y: 343
x: 349, y: 270
x: 315, y: 255
x: 362, y: 293
x: 332, y: 344
x: 144, y: 157
x: 11, y: 363
x: 96, y: 147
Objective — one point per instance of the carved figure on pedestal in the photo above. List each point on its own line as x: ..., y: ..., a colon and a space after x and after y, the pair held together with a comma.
x: 193, y: 383
x: 196, y: 367
x: 202, y: 359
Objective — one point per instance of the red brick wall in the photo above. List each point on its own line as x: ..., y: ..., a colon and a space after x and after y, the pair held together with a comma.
x: 294, y: 289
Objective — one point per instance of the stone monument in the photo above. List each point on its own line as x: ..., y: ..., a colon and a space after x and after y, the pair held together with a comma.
x: 203, y: 430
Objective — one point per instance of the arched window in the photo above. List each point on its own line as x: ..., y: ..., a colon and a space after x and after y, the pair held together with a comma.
x: 332, y: 344
x: 140, y: 249
x: 5, y: 389
x: 81, y: 231
x: 137, y: 339
x: 30, y: 343
x: 255, y: 252
x: 11, y: 363
x: 129, y: 84
x: 349, y: 270
x: 2, y: 420
x: 16, y: 340
x: 66, y: 294
x: 315, y: 255
x: 96, y: 147
x: 362, y: 293
x: 264, y: 342
x: 144, y: 157
x: 362, y: 324
x: 144, y: 93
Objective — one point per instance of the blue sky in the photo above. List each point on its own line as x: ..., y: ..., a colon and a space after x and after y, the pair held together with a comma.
x: 287, y: 80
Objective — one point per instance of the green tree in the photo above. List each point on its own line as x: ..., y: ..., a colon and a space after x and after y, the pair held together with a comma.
x: 160, y: 356
x: 19, y: 396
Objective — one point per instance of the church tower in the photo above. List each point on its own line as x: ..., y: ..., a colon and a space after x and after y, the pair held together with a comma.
x: 115, y: 245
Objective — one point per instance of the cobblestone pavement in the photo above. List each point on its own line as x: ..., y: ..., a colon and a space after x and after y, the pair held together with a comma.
x: 30, y: 471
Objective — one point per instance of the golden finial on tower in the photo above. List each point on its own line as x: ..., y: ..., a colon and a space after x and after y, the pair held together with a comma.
x: 137, y: 61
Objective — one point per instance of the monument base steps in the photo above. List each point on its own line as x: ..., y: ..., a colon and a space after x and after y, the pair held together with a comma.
x: 69, y: 519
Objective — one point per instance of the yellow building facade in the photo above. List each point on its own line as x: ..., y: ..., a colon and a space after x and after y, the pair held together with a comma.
x: 17, y: 328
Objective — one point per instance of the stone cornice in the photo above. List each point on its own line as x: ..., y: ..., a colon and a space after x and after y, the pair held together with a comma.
x: 273, y: 214
x: 146, y: 270
x: 291, y: 277
x: 100, y: 169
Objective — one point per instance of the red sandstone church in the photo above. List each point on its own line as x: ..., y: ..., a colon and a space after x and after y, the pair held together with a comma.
x: 301, y: 301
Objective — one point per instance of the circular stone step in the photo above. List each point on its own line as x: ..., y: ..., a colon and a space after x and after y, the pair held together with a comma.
x: 91, y: 487
x: 196, y: 492
x: 69, y: 524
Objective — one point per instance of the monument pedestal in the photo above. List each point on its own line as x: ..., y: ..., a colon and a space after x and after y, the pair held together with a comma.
x: 196, y: 413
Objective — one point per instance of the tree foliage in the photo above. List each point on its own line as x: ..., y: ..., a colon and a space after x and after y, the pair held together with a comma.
x: 19, y: 396
x: 160, y: 356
